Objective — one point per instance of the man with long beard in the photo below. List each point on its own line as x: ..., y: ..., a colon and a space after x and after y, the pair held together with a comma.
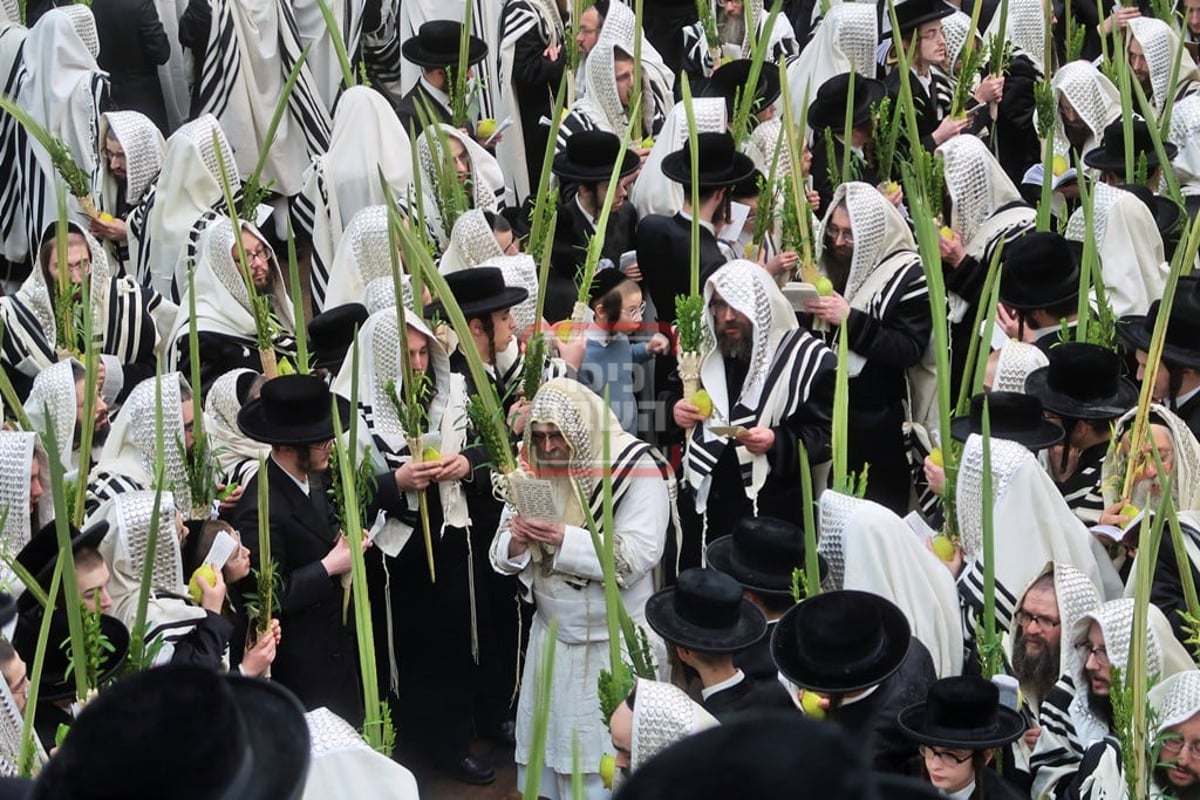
x: 1176, y: 702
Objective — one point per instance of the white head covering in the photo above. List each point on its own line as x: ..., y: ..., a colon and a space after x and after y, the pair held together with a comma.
x: 955, y: 28
x: 869, y: 548
x: 367, y: 137
x: 16, y: 458
x: 381, y: 294
x: 879, y: 230
x: 1026, y: 29
x: 761, y: 146
x: 232, y: 449
x: 1160, y: 45
x: 1094, y: 98
x: 655, y: 193
x: 343, y: 765
x: 12, y: 725
x: 52, y: 405
x: 599, y: 100
x: 188, y: 189
x: 1075, y: 594
x: 486, y: 187
x: 1017, y: 359
x: 1185, y: 482
x: 977, y: 184
x: 144, y: 148
x: 663, y: 714
x: 471, y: 243
x: 845, y: 41
x: 362, y: 256
x: 659, y: 80
x: 520, y: 271
x: 1176, y: 700
x: 1185, y: 133
x: 1132, y: 261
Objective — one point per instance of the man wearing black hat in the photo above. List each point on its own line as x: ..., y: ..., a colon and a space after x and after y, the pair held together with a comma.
x: 435, y: 50
x: 1083, y: 391
x: 705, y: 620
x: 1109, y: 157
x: 733, y: 79
x: 1013, y: 416
x: 1039, y: 288
x: 827, y: 121
x: 664, y: 243
x: 1177, y: 383
x: 331, y: 335
x: 584, y: 166
x: 855, y: 651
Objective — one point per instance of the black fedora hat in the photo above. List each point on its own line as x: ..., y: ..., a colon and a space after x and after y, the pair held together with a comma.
x: 1166, y: 212
x: 1082, y: 381
x: 589, y: 157
x: 331, y: 334
x: 828, y: 108
x: 184, y: 732
x: 479, y: 292
x: 436, y: 45
x: 1014, y: 416
x: 1182, y: 345
x: 840, y: 642
x: 912, y: 14
x: 40, y: 554
x: 1110, y: 155
x: 760, y: 554
x: 292, y: 410
x: 57, y: 683
x: 1040, y: 270
x: 705, y: 611
x: 731, y: 79
x: 962, y: 712
x: 720, y: 162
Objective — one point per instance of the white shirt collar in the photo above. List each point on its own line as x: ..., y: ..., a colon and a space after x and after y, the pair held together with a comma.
x: 586, y: 214
x: 703, y: 222
x: 729, y: 682
x: 859, y: 698
x: 436, y: 93
x: 1183, y: 398
x: 302, y: 484
x: 963, y: 793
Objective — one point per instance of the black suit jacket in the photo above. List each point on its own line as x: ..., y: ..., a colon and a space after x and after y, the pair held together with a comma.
x: 132, y: 46
x: 419, y: 97
x: 664, y: 247
x: 569, y: 251
x: 749, y: 696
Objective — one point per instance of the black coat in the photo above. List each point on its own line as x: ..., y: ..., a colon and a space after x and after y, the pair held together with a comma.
x: 747, y: 697
x: 569, y: 251
x: 1189, y: 412
x: 664, y: 246
x: 317, y: 658
x: 132, y: 46
x: 756, y: 659
x: 419, y: 101
x: 535, y: 80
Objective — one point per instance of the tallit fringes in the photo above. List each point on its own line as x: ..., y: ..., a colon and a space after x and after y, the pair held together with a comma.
x: 470, y: 593
x: 703, y: 542
x: 393, y: 669
x: 516, y: 690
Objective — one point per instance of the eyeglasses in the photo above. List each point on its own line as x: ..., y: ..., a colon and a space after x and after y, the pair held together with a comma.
x: 1085, y: 650
x: 587, y: 31
x: 1025, y: 619
x: 634, y: 312
x: 112, y: 155
x: 324, y: 446
x: 1174, y: 745
x: 833, y: 233
x: 261, y: 254
x: 718, y: 307
x: 947, y: 758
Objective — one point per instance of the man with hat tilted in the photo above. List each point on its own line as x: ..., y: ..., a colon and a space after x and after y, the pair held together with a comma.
x: 435, y: 50
x: 1039, y: 288
x: 1082, y: 390
x: 855, y: 652
x: 664, y: 243
x: 584, y: 167
x: 705, y: 619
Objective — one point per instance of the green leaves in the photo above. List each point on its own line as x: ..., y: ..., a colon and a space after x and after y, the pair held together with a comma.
x: 689, y: 321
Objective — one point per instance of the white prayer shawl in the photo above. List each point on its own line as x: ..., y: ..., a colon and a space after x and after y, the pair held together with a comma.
x: 186, y: 197
x: 52, y: 406
x: 175, y: 76
x: 343, y: 765
x: 1026, y: 30
x: 367, y: 137
x: 16, y: 458
x: 663, y: 714
x: 322, y: 61
x: 1093, y: 96
x: 661, y: 79
x: 781, y: 39
x: 168, y: 615
x: 1185, y: 133
x: 127, y: 461
x: 362, y: 256
x: 1185, y: 482
x: 655, y: 193
x: 1132, y: 262
x: 1032, y: 525
x: 144, y: 149
x: 845, y: 41
x: 252, y: 47
x: 17, y: 156
x: 871, y: 549
x: 1161, y: 48
x: 12, y: 727
x: 518, y: 17
x: 10, y: 11
x: 764, y: 142
x: 472, y: 242
x: 784, y: 364
x: 235, y: 453
x: 485, y: 188
x: 1015, y: 361
x: 1066, y: 736
x: 520, y: 271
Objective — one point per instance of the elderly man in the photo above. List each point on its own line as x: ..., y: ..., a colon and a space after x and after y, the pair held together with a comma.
x: 880, y: 299
x: 771, y: 386
x: 552, y: 553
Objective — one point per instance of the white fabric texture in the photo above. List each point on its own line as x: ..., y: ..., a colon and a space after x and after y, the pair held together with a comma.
x: 1176, y: 699
x: 342, y: 765
x: 362, y: 257
x: 869, y: 548
x: 978, y: 187
x: 235, y: 453
x: 472, y: 242
x: 1161, y: 48
x: 1130, y: 249
x: 51, y: 407
x: 485, y: 187
x: 144, y: 148
x: 1185, y: 483
x: 655, y: 193
x: 1026, y: 30
x: 16, y: 459
x: 1092, y: 95
x: 1185, y: 133
x: 663, y: 714
x: 1015, y: 361
x: 845, y: 41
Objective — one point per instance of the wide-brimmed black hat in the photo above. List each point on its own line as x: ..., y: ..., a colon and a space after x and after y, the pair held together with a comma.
x: 56, y: 683
x: 1040, y: 270
x: 912, y: 14
x: 1182, y: 345
x: 705, y: 611
x: 436, y: 45
x: 589, y: 157
x: 1082, y: 381
x: 720, y: 162
x: 1166, y: 212
x: 732, y: 79
x: 828, y: 108
x: 1014, y: 416
x: 962, y: 712
x: 331, y: 334
x: 1110, y: 155
x: 187, y: 733
x: 292, y: 410
x: 40, y: 554
x: 479, y: 292
x: 760, y: 553
x: 840, y: 642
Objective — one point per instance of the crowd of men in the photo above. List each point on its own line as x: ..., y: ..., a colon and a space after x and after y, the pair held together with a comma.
x: 265, y: 182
